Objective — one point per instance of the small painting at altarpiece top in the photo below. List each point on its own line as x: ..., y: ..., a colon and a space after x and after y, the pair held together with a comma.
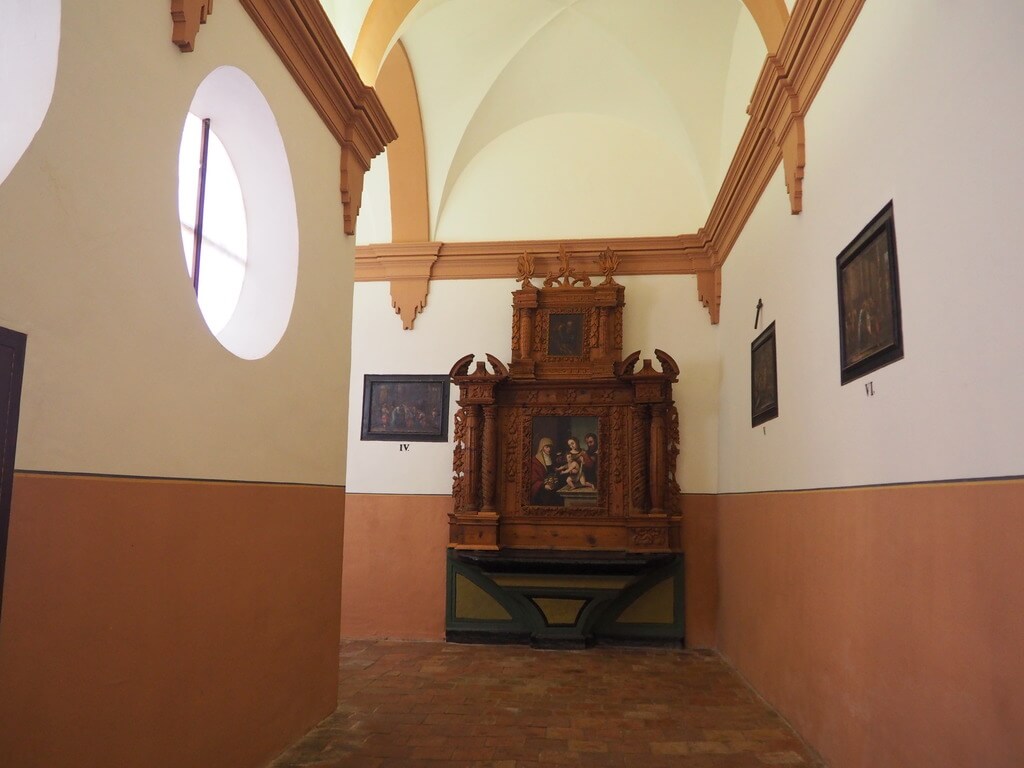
x: 565, y: 467
x: 409, y: 408
x: 565, y: 335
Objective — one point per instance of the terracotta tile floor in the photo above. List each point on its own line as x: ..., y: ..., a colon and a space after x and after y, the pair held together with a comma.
x: 434, y: 705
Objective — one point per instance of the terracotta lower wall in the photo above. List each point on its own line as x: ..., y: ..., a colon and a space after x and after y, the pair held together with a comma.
x: 394, y: 566
x: 700, y: 563
x: 886, y: 624
x: 166, y: 624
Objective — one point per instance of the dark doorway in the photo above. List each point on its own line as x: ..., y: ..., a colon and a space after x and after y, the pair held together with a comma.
x: 12, y: 367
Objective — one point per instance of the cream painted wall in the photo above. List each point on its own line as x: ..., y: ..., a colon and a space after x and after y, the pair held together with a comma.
x: 122, y: 374
x: 464, y: 316
x: 29, y: 41
x: 559, y: 177
x: 923, y: 106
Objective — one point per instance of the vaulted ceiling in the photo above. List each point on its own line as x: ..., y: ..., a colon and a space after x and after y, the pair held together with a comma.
x: 561, y: 118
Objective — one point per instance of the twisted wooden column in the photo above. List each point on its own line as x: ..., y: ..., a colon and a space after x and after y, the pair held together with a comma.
x: 638, y: 458
x: 472, y: 458
x: 603, y: 329
x: 525, y: 332
x: 656, y: 459
x: 488, y: 458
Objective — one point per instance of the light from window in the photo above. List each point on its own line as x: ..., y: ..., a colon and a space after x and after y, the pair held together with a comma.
x: 29, y: 42
x: 220, y: 251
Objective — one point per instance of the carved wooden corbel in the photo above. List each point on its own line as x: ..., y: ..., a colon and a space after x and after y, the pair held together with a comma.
x: 776, y: 105
x: 408, y: 267
x: 709, y: 291
x: 187, y: 16
x: 409, y: 295
x: 788, y: 132
x: 352, y: 173
x: 793, y: 163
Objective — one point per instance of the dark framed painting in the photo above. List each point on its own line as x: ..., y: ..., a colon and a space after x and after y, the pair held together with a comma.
x: 565, y: 334
x: 565, y: 465
x: 12, y: 370
x: 764, y: 380
x: 870, y: 327
x: 409, y: 408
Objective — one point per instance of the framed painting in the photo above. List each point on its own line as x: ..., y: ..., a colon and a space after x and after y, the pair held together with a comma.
x: 764, y: 381
x: 870, y: 327
x: 409, y: 408
x: 565, y: 334
x: 565, y: 464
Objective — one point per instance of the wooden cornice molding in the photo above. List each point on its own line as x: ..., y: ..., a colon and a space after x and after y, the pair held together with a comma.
x: 187, y: 16
x: 410, y: 266
x: 675, y: 255
x: 789, y: 80
x: 304, y: 39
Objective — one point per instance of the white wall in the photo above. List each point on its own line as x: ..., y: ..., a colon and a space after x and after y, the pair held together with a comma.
x: 464, y: 316
x: 122, y: 374
x: 924, y: 106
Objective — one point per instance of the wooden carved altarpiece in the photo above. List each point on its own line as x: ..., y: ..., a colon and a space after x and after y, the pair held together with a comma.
x: 570, y: 447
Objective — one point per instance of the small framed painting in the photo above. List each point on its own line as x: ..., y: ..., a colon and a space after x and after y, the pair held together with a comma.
x: 764, y: 387
x: 565, y: 335
x: 413, y: 409
x: 870, y: 327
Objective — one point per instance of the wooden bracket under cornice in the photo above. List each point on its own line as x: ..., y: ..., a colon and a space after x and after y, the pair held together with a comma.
x: 793, y: 164
x: 709, y: 291
x: 407, y: 266
x: 187, y: 16
x: 352, y: 174
x: 776, y: 105
x: 305, y: 40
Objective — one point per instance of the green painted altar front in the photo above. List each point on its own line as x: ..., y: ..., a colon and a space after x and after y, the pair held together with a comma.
x: 563, y: 598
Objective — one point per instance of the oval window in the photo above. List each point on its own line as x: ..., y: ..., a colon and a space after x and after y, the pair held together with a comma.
x: 236, y: 205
